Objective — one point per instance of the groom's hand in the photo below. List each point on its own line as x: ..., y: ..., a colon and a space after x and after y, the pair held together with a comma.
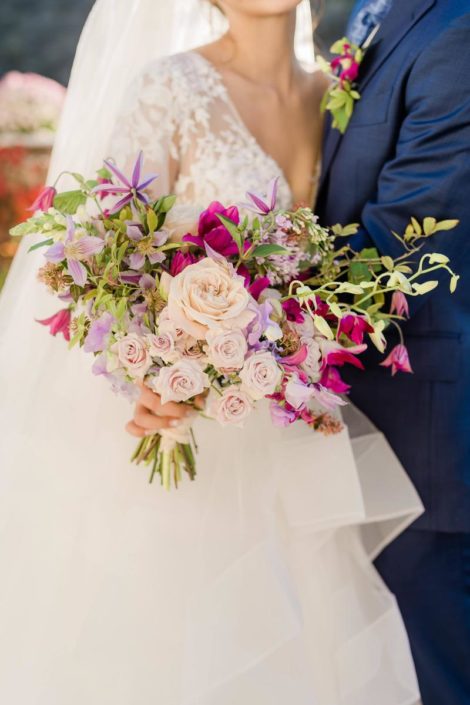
x: 151, y: 416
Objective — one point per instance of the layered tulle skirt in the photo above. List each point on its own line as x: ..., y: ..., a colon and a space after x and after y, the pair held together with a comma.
x: 251, y: 586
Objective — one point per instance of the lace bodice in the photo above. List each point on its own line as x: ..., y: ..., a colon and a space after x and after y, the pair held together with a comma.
x: 179, y: 112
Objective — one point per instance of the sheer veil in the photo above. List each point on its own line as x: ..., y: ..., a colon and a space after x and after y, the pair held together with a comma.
x: 37, y: 372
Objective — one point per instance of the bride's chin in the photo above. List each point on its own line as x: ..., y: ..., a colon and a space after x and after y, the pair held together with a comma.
x: 260, y: 8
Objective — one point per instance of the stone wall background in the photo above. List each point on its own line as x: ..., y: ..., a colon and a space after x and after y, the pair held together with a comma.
x: 41, y: 35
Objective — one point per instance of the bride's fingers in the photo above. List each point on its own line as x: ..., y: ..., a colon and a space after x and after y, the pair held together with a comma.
x: 150, y: 422
x: 135, y: 430
x: 153, y: 403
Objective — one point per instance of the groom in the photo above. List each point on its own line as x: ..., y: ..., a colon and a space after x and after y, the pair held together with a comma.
x: 406, y: 152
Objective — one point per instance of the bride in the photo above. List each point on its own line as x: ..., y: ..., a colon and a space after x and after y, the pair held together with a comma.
x: 254, y: 584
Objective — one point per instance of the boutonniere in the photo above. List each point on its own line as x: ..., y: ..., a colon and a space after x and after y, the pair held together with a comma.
x: 342, y: 71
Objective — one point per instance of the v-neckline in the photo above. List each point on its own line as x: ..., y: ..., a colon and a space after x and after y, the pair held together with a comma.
x: 248, y: 133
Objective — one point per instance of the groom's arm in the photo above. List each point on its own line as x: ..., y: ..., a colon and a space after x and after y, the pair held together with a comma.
x: 429, y: 174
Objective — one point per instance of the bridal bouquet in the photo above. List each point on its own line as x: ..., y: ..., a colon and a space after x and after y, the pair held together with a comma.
x: 234, y: 307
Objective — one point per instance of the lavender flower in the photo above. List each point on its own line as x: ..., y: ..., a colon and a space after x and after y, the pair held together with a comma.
x: 74, y: 250
x: 130, y: 189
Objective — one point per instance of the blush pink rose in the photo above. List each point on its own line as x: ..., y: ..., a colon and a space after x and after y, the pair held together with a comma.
x: 181, y: 381
x: 261, y: 375
x: 227, y: 350
x: 232, y: 408
x: 162, y: 346
x: 133, y: 354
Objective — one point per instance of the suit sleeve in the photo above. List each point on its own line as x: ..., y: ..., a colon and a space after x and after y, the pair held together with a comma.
x: 429, y: 174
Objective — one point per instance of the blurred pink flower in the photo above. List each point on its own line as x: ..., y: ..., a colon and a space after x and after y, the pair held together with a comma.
x: 213, y: 232
x: 59, y: 323
x: 398, y: 360
x: 354, y: 327
x: 399, y: 304
x: 45, y: 200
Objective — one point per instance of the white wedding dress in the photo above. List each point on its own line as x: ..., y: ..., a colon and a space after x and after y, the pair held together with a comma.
x: 251, y: 586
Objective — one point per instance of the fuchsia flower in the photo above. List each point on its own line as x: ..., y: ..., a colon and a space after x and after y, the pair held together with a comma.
x: 258, y: 286
x: 354, y: 327
x: 262, y: 206
x: 346, y: 356
x: 212, y: 232
x: 129, y: 189
x: 331, y: 379
x: 45, y: 199
x: 59, y: 323
x: 75, y: 250
x: 180, y: 261
x: 398, y: 360
x: 293, y: 311
x: 346, y: 64
x: 399, y: 304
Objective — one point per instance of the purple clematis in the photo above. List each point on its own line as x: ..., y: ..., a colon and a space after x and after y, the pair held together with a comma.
x: 75, y: 250
x: 146, y: 246
x: 261, y: 206
x: 129, y: 189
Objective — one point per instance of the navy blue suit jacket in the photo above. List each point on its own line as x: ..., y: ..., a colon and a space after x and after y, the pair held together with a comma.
x: 406, y: 152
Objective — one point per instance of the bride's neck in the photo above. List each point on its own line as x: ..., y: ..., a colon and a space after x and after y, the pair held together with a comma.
x: 262, y: 49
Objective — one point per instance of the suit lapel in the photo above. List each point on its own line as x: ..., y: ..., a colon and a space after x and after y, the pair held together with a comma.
x: 393, y: 29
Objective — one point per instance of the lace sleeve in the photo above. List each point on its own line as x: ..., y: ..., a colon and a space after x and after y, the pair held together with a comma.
x: 147, y: 122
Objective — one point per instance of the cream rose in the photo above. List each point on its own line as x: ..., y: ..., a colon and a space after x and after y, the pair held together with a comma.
x: 232, y: 408
x: 261, y: 375
x: 134, y: 355
x: 208, y: 295
x: 227, y: 350
x: 182, y: 220
x: 181, y: 381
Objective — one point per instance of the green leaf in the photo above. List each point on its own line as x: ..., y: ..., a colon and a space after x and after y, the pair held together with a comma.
x: 167, y: 203
x: 453, y: 283
x: 369, y: 253
x: 68, y: 202
x: 44, y: 243
x: 104, y: 173
x: 437, y: 258
x: 75, y: 292
x: 358, y: 272
x: 387, y: 262
x: 446, y: 225
x: 426, y: 287
x: 269, y: 250
x: 429, y: 225
x: 152, y: 221
x: 322, y: 325
x: 346, y: 230
x: 27, y: 228
x: 233, y: 230
x: 416, y: 226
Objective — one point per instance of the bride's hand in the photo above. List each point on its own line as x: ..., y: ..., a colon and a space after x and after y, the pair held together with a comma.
x: 151, y: 416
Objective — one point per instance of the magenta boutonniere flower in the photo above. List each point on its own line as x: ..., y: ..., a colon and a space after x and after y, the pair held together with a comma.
x: 343, y: 71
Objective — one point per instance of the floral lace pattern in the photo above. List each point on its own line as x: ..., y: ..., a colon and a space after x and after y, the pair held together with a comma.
x: 179, y: 112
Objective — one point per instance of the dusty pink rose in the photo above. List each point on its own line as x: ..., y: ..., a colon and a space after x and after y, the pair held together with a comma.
x: 261, y: 375
x: 208, y: 295
x: 227, y: 350
x: 312, y: 363
x: 134, y: 355
x: 162, y: 346
x: 232, y: 408
x: 181, y: 381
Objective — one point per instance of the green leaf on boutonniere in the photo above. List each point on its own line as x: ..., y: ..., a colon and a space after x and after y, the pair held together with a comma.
x: 342, y: 70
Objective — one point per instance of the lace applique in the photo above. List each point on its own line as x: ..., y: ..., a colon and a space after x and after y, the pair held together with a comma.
x: 179, y: 112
